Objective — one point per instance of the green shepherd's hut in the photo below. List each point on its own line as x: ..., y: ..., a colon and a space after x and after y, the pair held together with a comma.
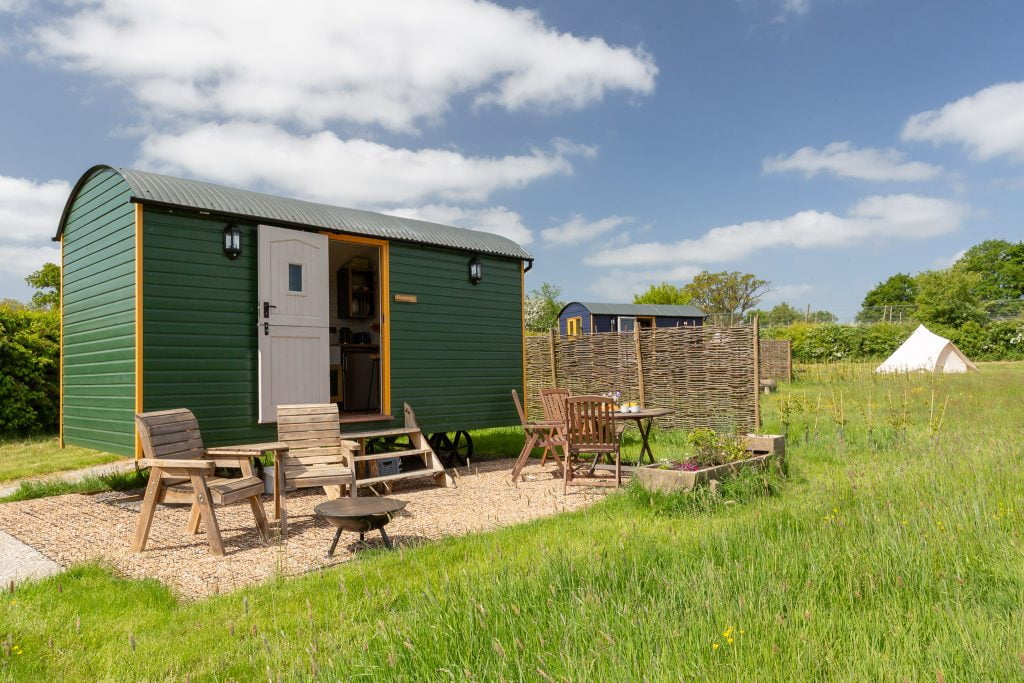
x: 178, y: 293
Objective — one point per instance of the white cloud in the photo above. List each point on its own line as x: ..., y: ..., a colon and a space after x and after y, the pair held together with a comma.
x: 948, y: 261
x: 30, y: 211
x: 324, y: 167
x: 21, y: 260
x: 845, y: 160
x: 989, y: 123
x: 13, y: 5
x: 391, y: 63
x: 796, y: 7
x: 497, y: 219
x: 577, y: 230
x: 791, y: 294
x: 620, y: 285
x: 878, y: 218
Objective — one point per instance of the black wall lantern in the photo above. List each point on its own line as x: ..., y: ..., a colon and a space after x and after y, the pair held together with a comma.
x: 232, y: 241
x: 476, y: 270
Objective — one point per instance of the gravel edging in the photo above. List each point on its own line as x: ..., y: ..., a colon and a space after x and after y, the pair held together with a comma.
x: 82, y: 528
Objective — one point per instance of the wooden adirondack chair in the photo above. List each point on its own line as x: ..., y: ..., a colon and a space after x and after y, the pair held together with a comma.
x: 181, y: 471
x: 591, y: 431
x: 317, y: 453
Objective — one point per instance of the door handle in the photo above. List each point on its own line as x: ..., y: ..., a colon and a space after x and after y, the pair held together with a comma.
x: 266, y: 329
x: 266, y: 308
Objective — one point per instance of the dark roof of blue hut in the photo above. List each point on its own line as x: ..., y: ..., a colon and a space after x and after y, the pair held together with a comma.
x: 671, y: 311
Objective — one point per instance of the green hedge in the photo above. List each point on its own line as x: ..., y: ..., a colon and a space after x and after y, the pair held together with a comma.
x: 29, y: 367
x: 829, y: 342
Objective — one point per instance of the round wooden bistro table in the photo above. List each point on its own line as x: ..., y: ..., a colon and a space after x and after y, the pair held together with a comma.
x: 644, y: 420
x: 359, y: 514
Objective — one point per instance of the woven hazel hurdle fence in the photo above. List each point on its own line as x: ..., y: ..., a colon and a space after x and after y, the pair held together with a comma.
x: 776, y: 359
x: 707, y: 375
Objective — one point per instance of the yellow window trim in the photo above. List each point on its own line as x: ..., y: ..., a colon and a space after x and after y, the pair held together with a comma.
x: 385, y: 311
x: 573, y: 326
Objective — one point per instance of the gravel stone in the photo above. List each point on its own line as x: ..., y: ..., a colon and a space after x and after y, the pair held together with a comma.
x: 80, y: 528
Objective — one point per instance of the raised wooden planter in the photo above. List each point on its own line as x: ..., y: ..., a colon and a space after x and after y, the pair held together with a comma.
x: 762, y: 450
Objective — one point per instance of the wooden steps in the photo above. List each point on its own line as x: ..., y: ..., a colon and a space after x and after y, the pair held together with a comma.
x: 420, y: 448
x: 418, y: 452
x: 380, y: 433
x: 369, y: 481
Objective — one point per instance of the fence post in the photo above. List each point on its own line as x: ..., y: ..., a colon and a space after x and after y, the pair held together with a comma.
x: 789, y: 359
x: 551, y: 354
x: 757, y: 375
x: 639, y: 366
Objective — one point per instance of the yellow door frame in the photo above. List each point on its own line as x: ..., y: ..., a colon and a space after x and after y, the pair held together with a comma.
x: 385, y: 311
x: 574, y: 326
x: 138, y: 326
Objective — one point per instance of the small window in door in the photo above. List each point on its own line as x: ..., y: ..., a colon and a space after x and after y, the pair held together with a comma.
x: 295, y: 277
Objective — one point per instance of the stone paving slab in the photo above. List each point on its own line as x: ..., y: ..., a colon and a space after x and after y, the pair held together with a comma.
x: 79, y: 528
x: 19, y: 562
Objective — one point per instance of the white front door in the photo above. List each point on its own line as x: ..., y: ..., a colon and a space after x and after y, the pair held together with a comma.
x: 293, y: 319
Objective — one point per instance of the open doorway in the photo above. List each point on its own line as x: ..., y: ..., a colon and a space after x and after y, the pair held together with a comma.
x: 356, y: 328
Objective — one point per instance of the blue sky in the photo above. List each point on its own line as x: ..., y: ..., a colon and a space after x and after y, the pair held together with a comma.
x: 821, y: 144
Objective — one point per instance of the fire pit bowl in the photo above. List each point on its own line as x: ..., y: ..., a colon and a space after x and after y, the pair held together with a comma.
x: 359, y: 515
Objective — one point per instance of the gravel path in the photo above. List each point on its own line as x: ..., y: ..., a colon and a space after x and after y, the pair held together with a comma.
x: 124, y: 465
x: 77, y: 528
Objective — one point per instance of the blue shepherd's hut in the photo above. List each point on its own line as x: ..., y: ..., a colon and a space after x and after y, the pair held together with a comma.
x: 585, y: 317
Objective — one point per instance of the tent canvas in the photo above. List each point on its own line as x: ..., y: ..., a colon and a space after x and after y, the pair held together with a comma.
x: 927, y: 351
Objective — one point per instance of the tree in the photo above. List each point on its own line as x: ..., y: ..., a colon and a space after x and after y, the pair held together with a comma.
x: 542, y: 307
x: 950, y: 297
x: 664, y: 293
x: 784, y: 314
x: 46, y: 281
x: 1001, y: 266
x: 726, y: 296
x: 896, y: 293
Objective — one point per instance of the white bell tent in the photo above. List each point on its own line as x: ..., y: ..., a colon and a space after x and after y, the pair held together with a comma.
x: 926, y: 351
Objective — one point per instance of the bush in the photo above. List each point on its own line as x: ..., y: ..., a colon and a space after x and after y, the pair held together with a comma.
x: 29, y: 366
x: 823, y: 343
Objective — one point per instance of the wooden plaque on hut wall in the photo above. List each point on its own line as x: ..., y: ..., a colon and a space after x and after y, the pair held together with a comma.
x: 405, y: 298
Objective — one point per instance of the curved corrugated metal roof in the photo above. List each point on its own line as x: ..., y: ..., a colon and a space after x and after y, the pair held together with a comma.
x: 673, y: 310
x: 164, y: 190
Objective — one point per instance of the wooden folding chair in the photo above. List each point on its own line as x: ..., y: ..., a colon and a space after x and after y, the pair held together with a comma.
x: 537, y: 434
x: 591, y: 431
x: 181, y: 471
x: 553, y: 401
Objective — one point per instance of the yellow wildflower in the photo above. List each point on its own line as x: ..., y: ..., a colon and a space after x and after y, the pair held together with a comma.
x: 714, y: 646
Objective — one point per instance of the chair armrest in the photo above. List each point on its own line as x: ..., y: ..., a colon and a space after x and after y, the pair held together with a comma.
x: 184, y: 464
x: 227, y: 459
x: 351, y: 445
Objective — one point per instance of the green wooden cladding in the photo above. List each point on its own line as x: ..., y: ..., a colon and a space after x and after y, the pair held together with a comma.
x: 199, y: 326
x: 99, y: 316
x: 456, y: 353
